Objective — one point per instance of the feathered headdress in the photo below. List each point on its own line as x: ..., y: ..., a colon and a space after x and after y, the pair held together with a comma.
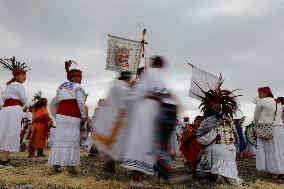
x: 224, y: 98
x: 15, y: 66
x: 73, y: 72
x: 39, y: 101
x: 37, y: 97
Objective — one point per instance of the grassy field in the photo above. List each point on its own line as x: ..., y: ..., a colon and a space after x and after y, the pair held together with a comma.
x: 35, y: 173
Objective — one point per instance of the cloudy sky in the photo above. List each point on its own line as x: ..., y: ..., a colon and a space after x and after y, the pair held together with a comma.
x: 243, y: 39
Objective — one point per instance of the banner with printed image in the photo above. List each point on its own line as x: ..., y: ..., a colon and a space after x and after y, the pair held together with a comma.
x: 123, y: 54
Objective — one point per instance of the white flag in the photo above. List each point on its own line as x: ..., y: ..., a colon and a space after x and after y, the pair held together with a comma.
x: 123, y: 54
x: 204, y: 80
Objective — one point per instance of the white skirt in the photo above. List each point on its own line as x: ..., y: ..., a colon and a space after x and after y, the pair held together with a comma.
x: 270, y: 153
x: 10, y: 128
x: 65, y: 150
x: 223, y: 159
x: 139, y: 153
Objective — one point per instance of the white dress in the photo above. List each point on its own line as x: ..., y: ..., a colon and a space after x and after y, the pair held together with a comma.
x: 65, y: 149
x: 139, y: 153
x: 222, y: 156
x: 270, y: 153
x: 11, y: 117
x: 110, y: 128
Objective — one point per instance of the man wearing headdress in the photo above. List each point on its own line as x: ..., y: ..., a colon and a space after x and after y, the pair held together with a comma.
x: 14, y: 97
x: 217, y: 135
x: 41, y: 126
x: 70, y: 114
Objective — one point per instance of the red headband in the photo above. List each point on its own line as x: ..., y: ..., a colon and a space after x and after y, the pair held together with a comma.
x: 19, y: 72
x: 72, y: 74
x: 266, y: 90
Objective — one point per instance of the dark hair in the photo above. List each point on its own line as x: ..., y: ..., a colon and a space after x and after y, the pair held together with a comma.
x: 11, y: 81
x: 72, y: 73
x: 125, y: 76
x: 199, y: 118
x: 41, y: 103
x: 158, y: 62
x: 140, y: 71
x: 186, y: 119
x: 281, y: 99
x: 267, y: 91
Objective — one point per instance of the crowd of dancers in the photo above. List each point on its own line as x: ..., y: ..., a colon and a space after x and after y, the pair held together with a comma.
x: 132, y: 127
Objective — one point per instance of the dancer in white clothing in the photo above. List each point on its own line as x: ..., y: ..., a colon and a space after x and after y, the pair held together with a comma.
x: 110, y: 124
x: 70, y: 115
x: 143, y: 120
x: 14, y: 97
x: 270, y: 152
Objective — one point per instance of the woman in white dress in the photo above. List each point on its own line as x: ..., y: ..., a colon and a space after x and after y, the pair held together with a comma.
x: 70, y: 114
x: 14, y: 97
x: 270, y: 152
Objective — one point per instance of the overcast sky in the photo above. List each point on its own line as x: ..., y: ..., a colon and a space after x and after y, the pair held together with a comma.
x: 243, y: 39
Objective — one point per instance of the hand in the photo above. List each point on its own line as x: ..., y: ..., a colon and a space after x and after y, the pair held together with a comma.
x: 83, y: 120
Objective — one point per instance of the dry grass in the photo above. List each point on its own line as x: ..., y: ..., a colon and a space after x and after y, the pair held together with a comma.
x: 35, y: 173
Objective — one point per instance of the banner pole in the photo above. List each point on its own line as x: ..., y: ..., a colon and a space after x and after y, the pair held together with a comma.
x: 142, y: 50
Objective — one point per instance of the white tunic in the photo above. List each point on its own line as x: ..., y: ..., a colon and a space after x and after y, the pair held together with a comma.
x: 110, y: 128
x: 65, y: 150
x: 11, y: 117
x: 270, y: 153
x: 139, y: 153
x: 265, y: 111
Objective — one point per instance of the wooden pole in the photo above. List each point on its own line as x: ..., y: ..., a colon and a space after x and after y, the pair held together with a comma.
x: 142, y: 50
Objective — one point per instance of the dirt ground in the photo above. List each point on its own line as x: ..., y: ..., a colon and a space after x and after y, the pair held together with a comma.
x: 35, y: 173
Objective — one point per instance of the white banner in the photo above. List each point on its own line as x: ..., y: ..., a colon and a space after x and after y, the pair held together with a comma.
x: 204, y: 80
x: 122, y: 54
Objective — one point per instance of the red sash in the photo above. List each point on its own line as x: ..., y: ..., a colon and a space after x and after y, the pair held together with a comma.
x: 69, y: 108
x: 12, y: 102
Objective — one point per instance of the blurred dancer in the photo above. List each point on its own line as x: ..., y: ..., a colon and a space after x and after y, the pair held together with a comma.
x: 144, y: 119
x: 110, y: 124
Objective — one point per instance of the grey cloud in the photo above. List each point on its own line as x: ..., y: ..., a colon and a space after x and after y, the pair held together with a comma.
x: 242, y: 39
